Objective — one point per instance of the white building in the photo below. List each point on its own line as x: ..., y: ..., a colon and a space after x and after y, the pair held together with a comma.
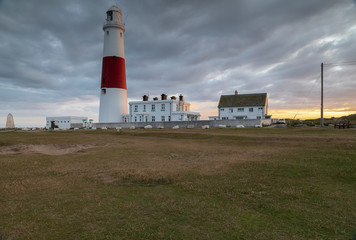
x: 242, y: 106
x: 162, y: 110
x: 63, y: 122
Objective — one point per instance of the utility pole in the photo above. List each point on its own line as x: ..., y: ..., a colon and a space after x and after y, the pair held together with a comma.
x: 322, y: 97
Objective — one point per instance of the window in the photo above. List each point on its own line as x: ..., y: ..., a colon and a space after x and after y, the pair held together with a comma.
x: 103, y: 91
x: 109, y: 15
x: 153, y: 109
x: 177, y: 107
x: 260, y: 108
x: 240, y: 109
x: 144, y: 108
x: 135, y: 119
x: 121, y: 34
x: 224, y: 118
x: 250, y: 109
x: 153, y: 118
x: 222, y: 109
x: 107, y: 32
x: 258, y: 117
x: 169, y: 118
x: 163, y: 118
x: 163, y: 107
x: 231, y: 110
x: 140, y: 118
x: 136, y: 108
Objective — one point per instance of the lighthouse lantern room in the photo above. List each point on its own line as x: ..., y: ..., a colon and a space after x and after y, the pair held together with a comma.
x: 113, y: 96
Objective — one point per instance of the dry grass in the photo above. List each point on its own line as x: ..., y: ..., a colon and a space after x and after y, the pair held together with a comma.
x: 178, y: 184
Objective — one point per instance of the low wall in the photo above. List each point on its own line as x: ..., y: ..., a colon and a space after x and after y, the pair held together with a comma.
x: 183, y: 124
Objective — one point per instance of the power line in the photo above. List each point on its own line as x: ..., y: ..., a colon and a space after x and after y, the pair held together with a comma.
x: 348, y: 63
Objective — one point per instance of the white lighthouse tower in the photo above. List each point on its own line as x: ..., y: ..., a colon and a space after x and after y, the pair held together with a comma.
x: 113, y: 96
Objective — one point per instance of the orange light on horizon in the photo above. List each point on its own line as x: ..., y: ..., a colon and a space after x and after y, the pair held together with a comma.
x: 309, y: 113
x: 207, y: 109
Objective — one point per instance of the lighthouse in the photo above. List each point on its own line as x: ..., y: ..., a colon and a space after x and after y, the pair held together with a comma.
x: 113, y: 95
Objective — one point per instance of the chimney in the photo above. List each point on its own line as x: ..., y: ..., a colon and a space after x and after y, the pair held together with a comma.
x: 163, y: 97
x: 236, y: 92
x: 155, y: 99
x: 173, y: 98
x: 181, y: 97
x: 145, y: 98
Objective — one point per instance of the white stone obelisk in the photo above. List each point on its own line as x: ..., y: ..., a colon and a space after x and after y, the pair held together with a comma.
x: 10, y: 121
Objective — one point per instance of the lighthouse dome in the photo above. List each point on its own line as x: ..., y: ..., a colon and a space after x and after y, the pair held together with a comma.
x: 114, y: 8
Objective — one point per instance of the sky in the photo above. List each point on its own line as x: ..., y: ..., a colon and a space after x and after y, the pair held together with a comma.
x: 51, y: 54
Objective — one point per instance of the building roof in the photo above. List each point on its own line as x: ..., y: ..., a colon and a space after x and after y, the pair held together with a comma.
x: 243, y: 100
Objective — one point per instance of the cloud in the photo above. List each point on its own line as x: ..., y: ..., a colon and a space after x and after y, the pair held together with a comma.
x: 51, y: 51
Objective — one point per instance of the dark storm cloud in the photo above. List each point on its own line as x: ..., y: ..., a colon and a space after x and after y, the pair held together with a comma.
x: 193, y: 39
x: 52, y: 50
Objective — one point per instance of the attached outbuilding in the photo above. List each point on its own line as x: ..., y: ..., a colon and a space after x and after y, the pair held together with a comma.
x: 64, y: 122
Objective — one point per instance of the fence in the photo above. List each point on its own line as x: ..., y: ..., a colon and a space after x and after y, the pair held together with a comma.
x: 184, y: 124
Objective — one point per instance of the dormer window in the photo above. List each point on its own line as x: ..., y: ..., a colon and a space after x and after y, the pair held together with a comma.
x: 109, y: 15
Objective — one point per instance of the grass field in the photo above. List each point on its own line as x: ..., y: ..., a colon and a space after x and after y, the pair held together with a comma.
x: 178, y: 184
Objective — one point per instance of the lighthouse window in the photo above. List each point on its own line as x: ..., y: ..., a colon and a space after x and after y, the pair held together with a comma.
x: 103, y: 91
x: 109, y: 15
x: 107, y: 32
x: 121, y: 34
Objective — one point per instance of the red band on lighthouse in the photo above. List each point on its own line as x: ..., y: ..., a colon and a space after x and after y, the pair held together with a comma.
x: 113, y: 73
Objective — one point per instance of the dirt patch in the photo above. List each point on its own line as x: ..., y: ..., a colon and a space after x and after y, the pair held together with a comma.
x: 47, y: 149
x: 146, y: 177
